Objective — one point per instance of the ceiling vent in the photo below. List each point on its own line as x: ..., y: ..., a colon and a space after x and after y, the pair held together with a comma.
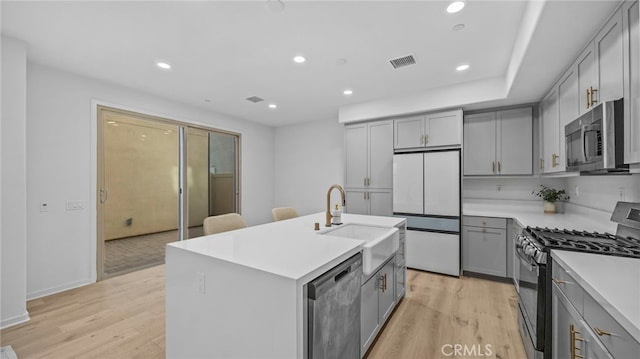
x: 255, y: 99
x: 403, y: 61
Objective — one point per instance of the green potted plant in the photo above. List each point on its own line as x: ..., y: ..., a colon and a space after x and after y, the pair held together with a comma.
x: 550, y: 196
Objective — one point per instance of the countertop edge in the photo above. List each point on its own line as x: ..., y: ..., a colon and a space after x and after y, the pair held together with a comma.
x: 632, y: 328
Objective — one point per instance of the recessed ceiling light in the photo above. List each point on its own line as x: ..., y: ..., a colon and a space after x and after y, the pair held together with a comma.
x: 462, y: 67
x: 163, y: 65
x: 207, y: 100
x: 273, y: 105
x: 455, y: 6
x: 458, y: 27
x: 299, y: 59
x: 347, y: 92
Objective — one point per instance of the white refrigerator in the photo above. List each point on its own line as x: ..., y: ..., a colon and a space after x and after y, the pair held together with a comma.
x: 426, y: 191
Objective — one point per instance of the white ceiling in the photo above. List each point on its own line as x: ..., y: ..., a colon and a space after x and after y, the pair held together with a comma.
x: 224, y: 52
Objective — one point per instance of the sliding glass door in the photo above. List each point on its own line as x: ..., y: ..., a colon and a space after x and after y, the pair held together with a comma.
x: 157, y: 181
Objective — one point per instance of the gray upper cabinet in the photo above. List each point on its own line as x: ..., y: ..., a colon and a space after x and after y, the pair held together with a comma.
x: 441, y: 129
x: 499, y: 143
x: 369, y: 155
x: 609, y: 51
x: 631, y: 37
x: 603, y: 71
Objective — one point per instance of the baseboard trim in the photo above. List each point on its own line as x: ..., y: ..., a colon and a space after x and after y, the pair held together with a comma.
x: 19, y: 319
x: 58, y: 289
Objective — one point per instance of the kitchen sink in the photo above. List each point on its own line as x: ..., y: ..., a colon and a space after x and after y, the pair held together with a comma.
x: 381, y: 242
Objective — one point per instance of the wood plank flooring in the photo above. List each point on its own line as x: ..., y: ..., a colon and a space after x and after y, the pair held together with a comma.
x: 123, y: 317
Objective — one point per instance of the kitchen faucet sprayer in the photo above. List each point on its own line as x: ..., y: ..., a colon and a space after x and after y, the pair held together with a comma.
x: 342, y: 196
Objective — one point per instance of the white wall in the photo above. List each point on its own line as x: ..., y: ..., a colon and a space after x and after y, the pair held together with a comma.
x: 309, y: 158
x: 13, y: 190
x: 602, y: 192
x: 595, y: 192
x: 61, y: 166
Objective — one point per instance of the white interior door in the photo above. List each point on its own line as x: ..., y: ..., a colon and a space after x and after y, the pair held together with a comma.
x: 442, y: 183
x: 408, y: 186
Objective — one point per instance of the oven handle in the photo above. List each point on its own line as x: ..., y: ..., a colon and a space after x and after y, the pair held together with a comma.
x: 529, y: 264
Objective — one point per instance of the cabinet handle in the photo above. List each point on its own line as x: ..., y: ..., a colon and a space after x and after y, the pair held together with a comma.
x: 589, y: 97
x: 600, y: 332
x: 368, y: 181
x: 383, y: 282
x: 559, y: 281
x: 572, y: 342
x: 493, y: 167
x: 593, y: 93
x: 499, y: 169
x: 421, y: 140
x: 541, y: 164
x: 426, y: 138
x: 554, y: 158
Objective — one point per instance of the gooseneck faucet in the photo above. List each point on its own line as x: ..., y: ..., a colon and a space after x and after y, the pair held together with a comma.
x: 329, y: 216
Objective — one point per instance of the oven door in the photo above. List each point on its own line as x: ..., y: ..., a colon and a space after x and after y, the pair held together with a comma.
x: 531, y: 297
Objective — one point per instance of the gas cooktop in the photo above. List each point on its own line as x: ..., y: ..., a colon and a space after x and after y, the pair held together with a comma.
x: 582, y: 241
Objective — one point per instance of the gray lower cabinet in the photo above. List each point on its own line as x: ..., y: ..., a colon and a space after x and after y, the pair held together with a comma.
x: 581, y: 327
x: 378, y: 301
x: 484, y: 245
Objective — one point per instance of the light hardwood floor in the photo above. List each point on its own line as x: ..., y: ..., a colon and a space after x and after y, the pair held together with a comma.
x: 123, y: 317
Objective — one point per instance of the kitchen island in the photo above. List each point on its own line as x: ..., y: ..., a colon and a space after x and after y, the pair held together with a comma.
x: 241, y: 294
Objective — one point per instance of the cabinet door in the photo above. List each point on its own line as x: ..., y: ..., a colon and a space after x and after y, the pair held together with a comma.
x: 380, y: 149
x: 484, y: 250
x: 550, y: 134
x: 568, y: 105
x: 380, y: 203
x: 355, y: 155
x: 571, y: 335
x: 386, y: 291
x: 443, y: 129
x: 514, y: 147
x: 479, y: 144
x: 400, y: 274
x: 408, y: 132
x: 369, y: 318
x: 609, y: 52
x: 357, y: 202
x: 631, y: 11
x: 442, y: 183
x: 586, y: 76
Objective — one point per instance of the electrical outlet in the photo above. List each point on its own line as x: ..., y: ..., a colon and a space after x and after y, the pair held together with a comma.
x: 44, y: 207
x: 498, y: 187
x: 622, y: 193
x: 74, y: 205
x: 201, y: 279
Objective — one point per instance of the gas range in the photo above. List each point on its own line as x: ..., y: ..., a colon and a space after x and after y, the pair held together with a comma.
x: 537, y: 242
x: 534, y: 274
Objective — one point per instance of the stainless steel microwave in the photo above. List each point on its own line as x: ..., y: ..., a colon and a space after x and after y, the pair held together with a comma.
x: 594, y: 141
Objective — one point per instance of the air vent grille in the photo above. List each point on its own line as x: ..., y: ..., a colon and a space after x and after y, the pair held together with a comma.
x: 255, y: 99
x: 403, y: 61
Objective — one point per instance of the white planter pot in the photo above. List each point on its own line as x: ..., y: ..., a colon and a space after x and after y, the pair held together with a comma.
x: 549, y: 207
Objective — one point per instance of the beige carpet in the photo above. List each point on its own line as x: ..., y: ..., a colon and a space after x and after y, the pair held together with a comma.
x: 133, y: 253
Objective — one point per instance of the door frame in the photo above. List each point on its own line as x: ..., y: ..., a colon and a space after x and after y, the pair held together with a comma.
x: 97, y: 160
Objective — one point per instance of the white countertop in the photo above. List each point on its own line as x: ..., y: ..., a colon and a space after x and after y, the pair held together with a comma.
x: 614, y: 282
x: 530, y: 213
x: 290, y: 248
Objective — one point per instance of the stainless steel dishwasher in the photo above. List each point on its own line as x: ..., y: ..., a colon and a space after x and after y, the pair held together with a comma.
x: 334, y: 312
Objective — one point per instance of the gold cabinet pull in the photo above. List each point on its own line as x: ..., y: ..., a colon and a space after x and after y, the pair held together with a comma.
x: 589, y: 97
x: 601, y: 332
x: 572, y: 342
x: 593, y: 93
x: 554, y: 158
x: 426, y: 139
x: 559, y: 281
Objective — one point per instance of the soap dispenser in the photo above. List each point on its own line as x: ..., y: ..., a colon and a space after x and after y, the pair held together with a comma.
x: 336, y: 215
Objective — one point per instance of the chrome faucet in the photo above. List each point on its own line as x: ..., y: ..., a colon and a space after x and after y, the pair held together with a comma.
x: 329, y: 216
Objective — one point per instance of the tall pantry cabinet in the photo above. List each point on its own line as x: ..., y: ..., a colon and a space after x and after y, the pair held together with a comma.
x: 369, y: 168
